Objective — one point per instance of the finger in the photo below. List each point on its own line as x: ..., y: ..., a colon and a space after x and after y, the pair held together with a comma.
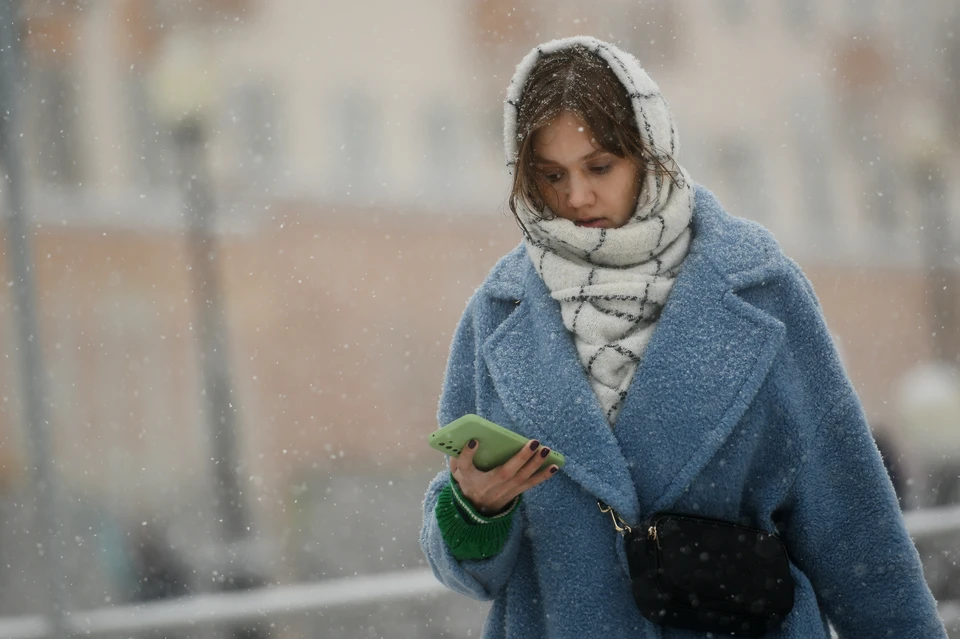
x: 532, y: 465
x: 540, y: 477
x: 509, y: 470
x: 465, y: 460
x: 524, y: 478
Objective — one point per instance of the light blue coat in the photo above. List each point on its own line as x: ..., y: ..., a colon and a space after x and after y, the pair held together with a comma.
x: 740, y: 409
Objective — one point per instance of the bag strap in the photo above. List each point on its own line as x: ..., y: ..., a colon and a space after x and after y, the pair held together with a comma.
x: 618, y: 524
x: 622, y: 527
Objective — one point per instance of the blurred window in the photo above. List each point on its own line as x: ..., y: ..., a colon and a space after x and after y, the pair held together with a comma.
x: 734, y: 11
x: 51, y: 98
x: 355, y: 157
x: 798, y: 15
x: 884, y: 185
x: 492, y: 125
x: 860, y: 15
x: 878, y: 180
x: 442, y: 157
x: 649, y: 31
x: 813, y: 157
x: 741, y: 169
x: 149, y: 138
x: 254, y: 113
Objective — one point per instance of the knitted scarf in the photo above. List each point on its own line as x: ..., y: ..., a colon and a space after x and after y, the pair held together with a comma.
x: 612, y: 284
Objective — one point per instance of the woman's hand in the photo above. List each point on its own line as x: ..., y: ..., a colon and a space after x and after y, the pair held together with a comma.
x: 492, y: 491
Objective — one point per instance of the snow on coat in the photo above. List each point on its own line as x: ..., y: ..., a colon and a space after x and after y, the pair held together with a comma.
x: 740, y: 410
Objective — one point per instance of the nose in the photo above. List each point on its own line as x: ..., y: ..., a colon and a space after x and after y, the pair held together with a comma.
x: 579, y: 192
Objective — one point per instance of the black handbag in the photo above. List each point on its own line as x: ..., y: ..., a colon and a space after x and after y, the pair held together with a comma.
x: 707, y: 574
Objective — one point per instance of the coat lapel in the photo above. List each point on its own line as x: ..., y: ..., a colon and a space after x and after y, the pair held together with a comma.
x: 705, y: 362
x: 534, y: 366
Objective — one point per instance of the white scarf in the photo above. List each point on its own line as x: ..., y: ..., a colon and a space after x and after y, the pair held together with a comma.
x: 612, y: 283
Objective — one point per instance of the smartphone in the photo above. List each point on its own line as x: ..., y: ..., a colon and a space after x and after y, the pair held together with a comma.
x: 497, y: 444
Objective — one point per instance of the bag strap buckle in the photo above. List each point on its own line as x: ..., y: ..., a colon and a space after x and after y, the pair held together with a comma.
x: 618, y: 524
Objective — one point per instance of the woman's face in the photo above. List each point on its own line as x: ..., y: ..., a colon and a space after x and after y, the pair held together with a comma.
x: 579, y: 180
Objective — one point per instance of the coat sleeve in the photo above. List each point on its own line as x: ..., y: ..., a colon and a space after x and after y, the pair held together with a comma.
x: 845, y: 531
x: 480, y: 579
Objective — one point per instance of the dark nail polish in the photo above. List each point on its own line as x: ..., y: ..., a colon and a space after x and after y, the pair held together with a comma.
x: 472, y: 443
x: 544, y: 452
x: 534, y: 444
x: 553, y: 469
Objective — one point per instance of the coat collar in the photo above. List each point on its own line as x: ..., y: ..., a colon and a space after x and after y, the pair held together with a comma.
x: 705, y: 362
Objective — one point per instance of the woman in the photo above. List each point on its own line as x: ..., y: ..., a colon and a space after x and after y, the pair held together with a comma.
x: 677, y: 359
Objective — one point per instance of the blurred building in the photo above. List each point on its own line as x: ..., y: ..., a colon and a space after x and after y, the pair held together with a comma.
x: 357, y: 155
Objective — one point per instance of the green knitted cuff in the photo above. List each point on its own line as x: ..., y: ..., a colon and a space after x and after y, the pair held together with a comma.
x: 466, y: 540
x: 470, y: 514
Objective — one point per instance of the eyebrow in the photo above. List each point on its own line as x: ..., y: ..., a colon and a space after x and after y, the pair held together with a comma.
x: 541, y: 160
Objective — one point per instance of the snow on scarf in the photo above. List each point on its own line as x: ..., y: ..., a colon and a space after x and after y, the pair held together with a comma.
x: 612, y: 283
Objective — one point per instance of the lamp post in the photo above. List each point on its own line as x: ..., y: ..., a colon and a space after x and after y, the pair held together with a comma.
x: 183, y: 89
x: 19, y: 234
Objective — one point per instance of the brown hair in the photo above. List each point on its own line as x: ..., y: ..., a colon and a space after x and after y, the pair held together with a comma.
x: 581, y: 82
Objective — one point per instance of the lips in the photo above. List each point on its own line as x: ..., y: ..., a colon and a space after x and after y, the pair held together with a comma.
x: 595, y: 222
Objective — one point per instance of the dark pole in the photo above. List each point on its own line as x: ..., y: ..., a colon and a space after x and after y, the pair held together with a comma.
x: 19, y: 235
x: 211, y: 325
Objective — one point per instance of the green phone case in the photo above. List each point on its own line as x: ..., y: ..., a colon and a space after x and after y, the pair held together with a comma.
x: 497, y: 444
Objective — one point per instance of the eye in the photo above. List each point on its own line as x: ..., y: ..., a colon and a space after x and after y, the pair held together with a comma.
x: 552, y: 177
x: 600, y: 170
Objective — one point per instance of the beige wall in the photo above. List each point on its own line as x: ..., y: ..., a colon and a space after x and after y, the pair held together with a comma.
x: 342, y: 299
x: 339, y: 334
x: 756, y: 82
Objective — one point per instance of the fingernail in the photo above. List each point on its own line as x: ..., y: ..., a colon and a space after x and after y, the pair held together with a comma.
x: 534, y: 444
x: 544, y: 452
x: 472, y: 443
x: 553, y: 469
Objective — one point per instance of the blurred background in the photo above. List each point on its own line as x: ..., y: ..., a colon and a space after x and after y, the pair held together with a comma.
x: 238, y: 235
